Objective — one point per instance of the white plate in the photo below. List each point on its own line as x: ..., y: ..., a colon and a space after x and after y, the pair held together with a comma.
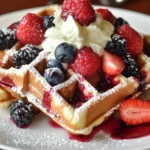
x: 42, y: 136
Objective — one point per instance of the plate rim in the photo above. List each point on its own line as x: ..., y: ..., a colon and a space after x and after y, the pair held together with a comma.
x: 38, y: 8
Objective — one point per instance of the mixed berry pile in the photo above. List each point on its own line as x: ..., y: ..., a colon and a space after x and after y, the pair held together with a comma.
x: 119, y: 55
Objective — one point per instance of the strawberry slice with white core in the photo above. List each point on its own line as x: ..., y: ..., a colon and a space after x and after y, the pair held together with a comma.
x: 135, y: 111
x: 112, y: 64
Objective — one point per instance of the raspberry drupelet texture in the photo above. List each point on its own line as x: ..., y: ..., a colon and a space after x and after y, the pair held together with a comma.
x: 133, y: 39
x: 31, y: 30
x: 86, y: 62
x: 81, y: 10
x: 22, y: 113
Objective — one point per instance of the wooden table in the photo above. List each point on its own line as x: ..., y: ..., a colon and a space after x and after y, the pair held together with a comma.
x: 13, y: 5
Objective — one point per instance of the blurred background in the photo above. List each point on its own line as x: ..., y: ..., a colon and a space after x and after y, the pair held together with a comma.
x: 142, y: 6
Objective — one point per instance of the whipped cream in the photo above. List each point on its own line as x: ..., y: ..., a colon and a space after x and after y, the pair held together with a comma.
x: 95, y: 35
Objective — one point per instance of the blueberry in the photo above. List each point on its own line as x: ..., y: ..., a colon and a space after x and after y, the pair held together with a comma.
x: 65, y: 52
x: 54, y: 76
x: 48, y: 22
x: 52, y: 63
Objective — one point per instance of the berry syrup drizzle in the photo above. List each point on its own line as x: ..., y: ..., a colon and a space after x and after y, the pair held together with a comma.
x: 7, y: 82
x: 117, y: 130
x: 115, y: 127
x: 47, y: 98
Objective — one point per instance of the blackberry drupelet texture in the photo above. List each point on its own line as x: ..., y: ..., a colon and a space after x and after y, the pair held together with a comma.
x: 25, y: 55
x: 117, y: 46
x: 22, y: 113
x: 7, y: 38
x: 131, y: 68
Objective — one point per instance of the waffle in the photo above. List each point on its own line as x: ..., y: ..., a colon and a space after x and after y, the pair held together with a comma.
x: 28, y: 81
x: 6, y: 98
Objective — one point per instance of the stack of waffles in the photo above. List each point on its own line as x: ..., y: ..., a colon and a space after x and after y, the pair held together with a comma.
x: 55, y: 101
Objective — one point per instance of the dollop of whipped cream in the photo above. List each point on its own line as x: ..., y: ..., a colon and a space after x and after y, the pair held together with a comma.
x: 95, y: 35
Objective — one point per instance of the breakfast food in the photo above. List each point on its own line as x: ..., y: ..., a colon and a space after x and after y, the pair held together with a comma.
x: 86, y: 67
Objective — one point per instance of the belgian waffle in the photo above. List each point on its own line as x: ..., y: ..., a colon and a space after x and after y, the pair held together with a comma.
x: 28, y: 82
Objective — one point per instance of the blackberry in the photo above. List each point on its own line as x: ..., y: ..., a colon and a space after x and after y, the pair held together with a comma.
x: 117, y: 46
x: 7, y: 38
x: 48, y: 22
x: 22, y: 113
x: 25, y: 55
x: 119, y: 22
x: 131, y: 68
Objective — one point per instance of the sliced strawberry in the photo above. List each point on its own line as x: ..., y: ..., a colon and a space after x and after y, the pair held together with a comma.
x: 135, y: 111
x: 81, y: 10
x: 133, y: 39
x: 112, y: 64
x: 106, y: 15
x: 31, y: 30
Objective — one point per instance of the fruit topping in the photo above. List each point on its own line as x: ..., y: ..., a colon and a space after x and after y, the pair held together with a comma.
x: 112, y: 64
x: 104, y: 85
x: 25, y: 55
x: 55, y: 63
x: 106, y: 15
x: 135, y: 111
x: 81, y: 10
x: 86, y: 62
x: 78, y: 98
x: 22, y: 113
x: 54, y: 76
x: 14, y: 26
x: 65, y: 52
x: 117, y: 45
x: 119, y: 22
x: 48, y: 22
x: 7, y: 38
x: 131, y: 68
x: 133, y: 39
x: 31, y: 30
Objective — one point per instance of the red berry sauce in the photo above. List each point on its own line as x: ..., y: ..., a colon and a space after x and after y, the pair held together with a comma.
x: 47, y: 99
x: 79, y: 98
x: 7, y: 82
x: 53, y: 124
x: 117, y: 130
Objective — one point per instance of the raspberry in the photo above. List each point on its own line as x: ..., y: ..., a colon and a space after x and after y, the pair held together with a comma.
x: 31, y: 30
x: 106, y: 15
x: 133, y: 39
x: 81, y: 10
x: 86, y: 62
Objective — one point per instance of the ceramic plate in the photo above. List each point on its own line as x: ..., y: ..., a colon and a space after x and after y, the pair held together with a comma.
x: 40, y: 135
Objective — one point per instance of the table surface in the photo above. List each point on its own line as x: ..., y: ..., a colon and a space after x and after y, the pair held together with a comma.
x: 6, y: 6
